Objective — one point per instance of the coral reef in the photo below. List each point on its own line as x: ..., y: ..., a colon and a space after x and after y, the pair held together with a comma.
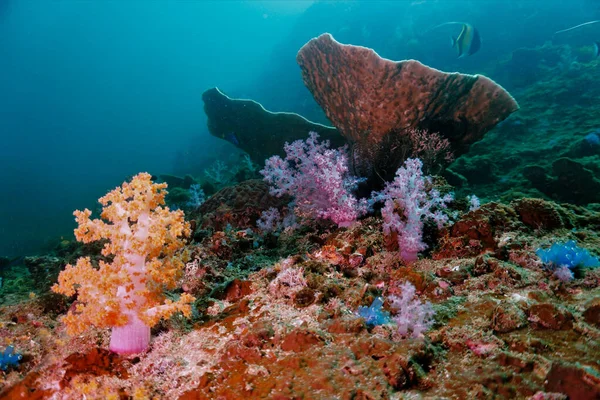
x: 415, y: 296
x: 288, y: 324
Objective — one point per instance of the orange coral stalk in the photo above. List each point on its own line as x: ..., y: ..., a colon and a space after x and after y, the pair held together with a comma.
x: 127, y: 294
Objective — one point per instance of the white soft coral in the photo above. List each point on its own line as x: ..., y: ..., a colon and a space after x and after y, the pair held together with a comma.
x: 408, y: 201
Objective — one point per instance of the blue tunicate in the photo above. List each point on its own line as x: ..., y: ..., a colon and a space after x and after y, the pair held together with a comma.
x: 592, y: 138
x: 568, y: 254
x: 8, y: 358
x: 374, y: 315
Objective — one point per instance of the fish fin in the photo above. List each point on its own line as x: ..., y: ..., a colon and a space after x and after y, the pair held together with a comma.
x: 596, y: 49
x: 453, y: 41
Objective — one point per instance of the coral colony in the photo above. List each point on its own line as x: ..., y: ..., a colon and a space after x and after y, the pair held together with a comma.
x: 126, y: 294
x: 319, y: 180
x: 345, y: 267
x: 412, y: 193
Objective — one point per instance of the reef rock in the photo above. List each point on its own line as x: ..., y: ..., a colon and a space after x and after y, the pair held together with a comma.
x: 570, y: 181
x: 261, y: 133
x: 373, y: 101
x: 238, y: 206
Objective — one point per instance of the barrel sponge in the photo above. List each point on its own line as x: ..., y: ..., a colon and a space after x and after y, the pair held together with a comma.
x: 370, y: 99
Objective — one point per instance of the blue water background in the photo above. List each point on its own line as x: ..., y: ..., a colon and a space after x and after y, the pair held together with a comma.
x: 94, y: 91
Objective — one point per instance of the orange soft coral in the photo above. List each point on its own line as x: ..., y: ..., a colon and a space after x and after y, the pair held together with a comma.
x: 127, y: 294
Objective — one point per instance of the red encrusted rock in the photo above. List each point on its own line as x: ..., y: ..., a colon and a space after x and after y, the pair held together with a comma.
x: 237, y: 350
x: 540, y: 214
x: 95, y: 362
x: 234, y: 291
x: 300, y: 340
x: 455, y: 276
x: 577, y: 382
x: 239, y: 205
x: 518, y: 363
x: 397, y: 372
x: 507, y: 317
x: 346, y: 325
x: 591, y: 315
x: 548, y: 316
x: 477, y: 231
x: 305, y: 297
x: 484, y: 265
x: 389, y: 97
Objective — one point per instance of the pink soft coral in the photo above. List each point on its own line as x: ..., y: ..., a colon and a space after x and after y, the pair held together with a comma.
x: 413, y: 317
x: 318, y: 178
x: 408, y: 200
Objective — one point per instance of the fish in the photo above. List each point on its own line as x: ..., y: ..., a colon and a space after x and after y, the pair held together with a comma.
x: 585, y: 34
x: 468, y: 42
